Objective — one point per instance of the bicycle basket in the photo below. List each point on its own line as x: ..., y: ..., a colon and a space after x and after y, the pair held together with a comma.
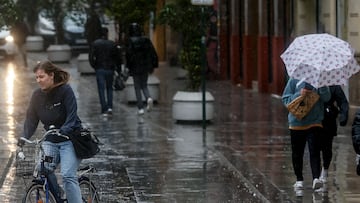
x: 25, y: 167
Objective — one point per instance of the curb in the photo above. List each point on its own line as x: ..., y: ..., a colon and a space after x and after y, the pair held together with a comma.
x: 7, y: 168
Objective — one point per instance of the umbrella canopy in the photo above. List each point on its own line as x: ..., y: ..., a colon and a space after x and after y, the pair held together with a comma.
x: 320, y: 59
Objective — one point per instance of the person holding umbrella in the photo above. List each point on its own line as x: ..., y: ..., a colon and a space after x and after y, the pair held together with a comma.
x: 305, y: 130
x: 321, y: 60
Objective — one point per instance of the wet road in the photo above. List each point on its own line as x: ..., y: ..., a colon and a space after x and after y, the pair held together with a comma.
x: 243, y: 156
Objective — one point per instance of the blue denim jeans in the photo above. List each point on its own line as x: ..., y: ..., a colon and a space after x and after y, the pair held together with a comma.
x: 105, y: 79
x: 69, y: 164
x: 140, y: 86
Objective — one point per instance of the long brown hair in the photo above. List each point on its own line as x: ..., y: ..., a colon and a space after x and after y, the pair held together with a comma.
x: 60, y: 76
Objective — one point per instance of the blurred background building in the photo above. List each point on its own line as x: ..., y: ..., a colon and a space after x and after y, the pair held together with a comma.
x: 252, y: 34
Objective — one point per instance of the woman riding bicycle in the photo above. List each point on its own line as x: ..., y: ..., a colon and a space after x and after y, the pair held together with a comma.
x: 54, y: 103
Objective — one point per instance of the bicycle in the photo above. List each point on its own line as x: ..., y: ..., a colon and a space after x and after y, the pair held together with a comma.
x: 40, y: 190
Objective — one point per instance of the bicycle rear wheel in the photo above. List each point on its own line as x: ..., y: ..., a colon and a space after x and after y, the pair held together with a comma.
x: 36, y: 194
x: 88, y: 191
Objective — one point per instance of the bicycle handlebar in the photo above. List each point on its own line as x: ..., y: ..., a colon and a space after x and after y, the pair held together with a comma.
x: 51, y: 130
x: 27, y: 140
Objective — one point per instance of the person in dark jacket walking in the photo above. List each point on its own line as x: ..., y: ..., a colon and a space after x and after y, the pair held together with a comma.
x: 20, y: 32
x: 93, y: 28
x: 355, y: 135
x: 141, y: 59
x: 103, y: 57
x: 54, y: 103
x: 331, y: 113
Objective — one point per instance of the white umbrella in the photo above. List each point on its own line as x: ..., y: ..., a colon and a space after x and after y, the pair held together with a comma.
x: 320, y: 59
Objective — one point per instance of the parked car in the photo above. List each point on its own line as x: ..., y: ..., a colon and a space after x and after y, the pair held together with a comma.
x: 8, y: 48
x: 45, y: 28
x: 74, y: 30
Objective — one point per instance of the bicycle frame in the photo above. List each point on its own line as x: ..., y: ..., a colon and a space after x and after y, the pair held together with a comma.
x: 43, y: 175
x: 90, y: 192
x: 40, y: 177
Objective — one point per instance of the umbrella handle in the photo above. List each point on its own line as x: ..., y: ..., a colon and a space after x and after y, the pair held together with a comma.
x: 300, y: 81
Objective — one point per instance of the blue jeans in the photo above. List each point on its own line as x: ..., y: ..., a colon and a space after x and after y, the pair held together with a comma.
x: 105, y: 79
x: 69, y: 164
x: 140, y: 85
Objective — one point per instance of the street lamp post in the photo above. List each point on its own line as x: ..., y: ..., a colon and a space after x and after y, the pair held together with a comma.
x: 203, y: 39
x: 203, y: 63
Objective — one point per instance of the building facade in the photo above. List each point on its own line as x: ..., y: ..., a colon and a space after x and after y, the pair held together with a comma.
x: 253, y: 34
x: 250, y: 36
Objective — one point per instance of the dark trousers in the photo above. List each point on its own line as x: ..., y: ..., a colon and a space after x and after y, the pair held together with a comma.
x: 140, y: 85
x: 326, y: 149
x: 105, y: 79
x: 327, y: 137
x: 298, y: 142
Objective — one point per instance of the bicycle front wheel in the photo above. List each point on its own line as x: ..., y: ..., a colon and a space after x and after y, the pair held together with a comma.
x: 36, y: 194
x: 88, y: 191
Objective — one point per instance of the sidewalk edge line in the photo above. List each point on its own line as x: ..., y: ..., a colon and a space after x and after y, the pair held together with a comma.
x: 6, y: 169
x: 227, y: 163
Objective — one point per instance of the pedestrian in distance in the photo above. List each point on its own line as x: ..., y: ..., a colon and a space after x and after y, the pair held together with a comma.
x: 103, y: 57
x: 141, y: 60
x: 93, y: 28
x: 20, y: 31
x: 305, y: 130
x: 332, y: 112
x: 54, y: 103
x: 355, y: 135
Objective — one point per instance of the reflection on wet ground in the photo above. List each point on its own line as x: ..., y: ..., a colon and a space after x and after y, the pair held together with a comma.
x: 243, y: 156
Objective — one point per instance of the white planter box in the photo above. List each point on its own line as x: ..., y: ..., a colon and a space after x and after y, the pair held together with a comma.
x: 187, y: 106
x: 83, y: 64
x: 34, y: 43
x: 153, y: 86
x: 59, y: 53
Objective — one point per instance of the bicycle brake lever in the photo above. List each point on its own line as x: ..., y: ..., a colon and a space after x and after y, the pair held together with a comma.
x: 64, y: 136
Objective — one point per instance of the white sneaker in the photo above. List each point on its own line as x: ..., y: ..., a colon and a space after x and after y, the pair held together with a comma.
x: 299, y: 193
x: 141, y: 111
x: 317, y: 184
x: 324, y: 175
x: 150, y: 103
x: 299, y: 188
x: 357, y: 159
x: 299, y: 185
x: 109, y: 111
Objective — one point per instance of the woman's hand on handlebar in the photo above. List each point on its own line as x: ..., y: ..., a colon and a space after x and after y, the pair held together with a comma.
x: 20, y: 142
x: 20, y: 154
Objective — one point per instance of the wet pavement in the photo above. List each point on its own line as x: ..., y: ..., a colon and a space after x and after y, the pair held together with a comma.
x: 243, y: 155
